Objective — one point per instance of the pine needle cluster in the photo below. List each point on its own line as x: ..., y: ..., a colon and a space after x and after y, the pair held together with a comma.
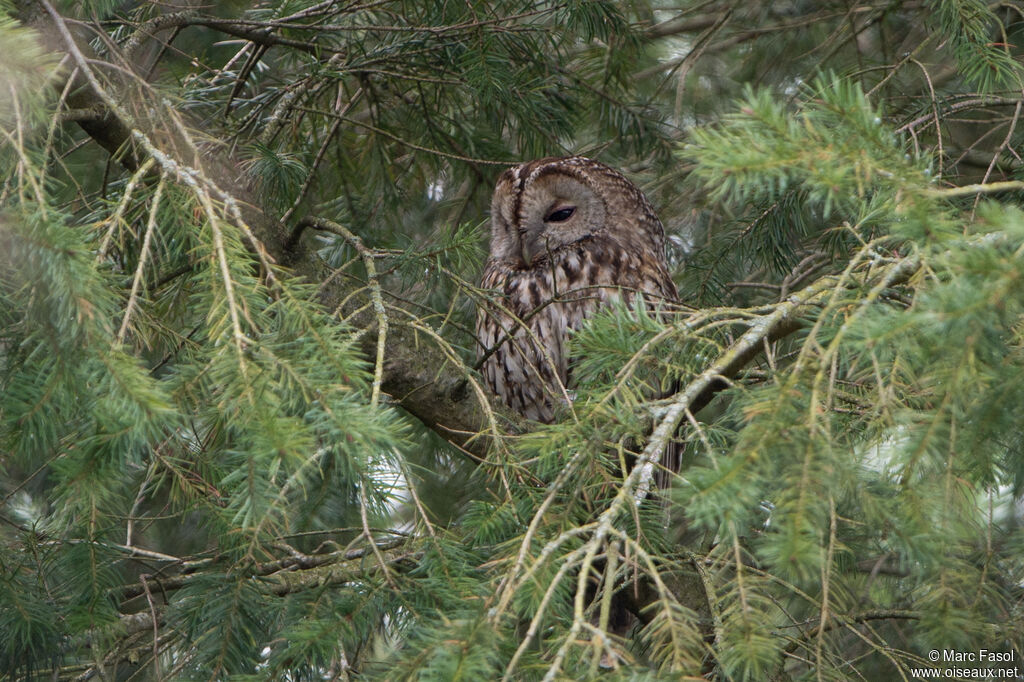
x: 241, y: 430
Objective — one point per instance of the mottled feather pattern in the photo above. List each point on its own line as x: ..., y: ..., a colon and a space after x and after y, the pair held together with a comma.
x: 551, y: 273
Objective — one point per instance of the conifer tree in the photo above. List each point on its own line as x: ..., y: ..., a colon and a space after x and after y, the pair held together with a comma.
x: 242, y: 433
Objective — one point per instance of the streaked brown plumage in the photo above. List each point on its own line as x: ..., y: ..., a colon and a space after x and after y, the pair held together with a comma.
x: 568, y: 236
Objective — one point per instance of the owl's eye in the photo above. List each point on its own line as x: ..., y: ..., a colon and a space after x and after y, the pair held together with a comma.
x: 561, y: 215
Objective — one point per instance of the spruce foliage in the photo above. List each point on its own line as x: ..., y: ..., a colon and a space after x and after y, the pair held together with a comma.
x: 241, y: 431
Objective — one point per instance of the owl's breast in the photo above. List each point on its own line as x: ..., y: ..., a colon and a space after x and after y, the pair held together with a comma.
x: 526, y: 330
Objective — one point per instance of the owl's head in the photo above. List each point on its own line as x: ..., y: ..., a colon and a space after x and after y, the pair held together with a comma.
x: 541, y: 206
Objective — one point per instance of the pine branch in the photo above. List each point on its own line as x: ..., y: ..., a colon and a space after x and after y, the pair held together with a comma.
x: 413, y: 373
x: 782, y: 319
x: 289, y: 575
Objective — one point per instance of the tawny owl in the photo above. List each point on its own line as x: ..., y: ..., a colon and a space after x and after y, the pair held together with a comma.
x: 568, y: 236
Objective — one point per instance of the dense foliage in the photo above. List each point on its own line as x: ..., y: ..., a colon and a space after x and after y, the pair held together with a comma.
x: 241, y: 430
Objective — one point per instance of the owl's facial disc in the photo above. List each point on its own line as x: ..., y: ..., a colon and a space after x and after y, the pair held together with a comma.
x: 542, y: 207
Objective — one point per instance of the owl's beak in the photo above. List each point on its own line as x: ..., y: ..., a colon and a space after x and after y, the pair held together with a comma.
x: 529, y: 245
x: 525, y: 252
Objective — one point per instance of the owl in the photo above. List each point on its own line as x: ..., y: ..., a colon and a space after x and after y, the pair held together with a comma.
x: 568, y: 237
